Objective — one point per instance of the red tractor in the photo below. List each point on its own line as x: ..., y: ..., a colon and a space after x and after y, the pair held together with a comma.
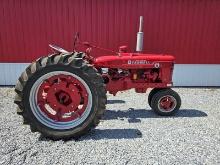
x: 63, y: 95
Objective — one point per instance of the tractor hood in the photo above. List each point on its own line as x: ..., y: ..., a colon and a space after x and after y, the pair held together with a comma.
x: 133, y: 60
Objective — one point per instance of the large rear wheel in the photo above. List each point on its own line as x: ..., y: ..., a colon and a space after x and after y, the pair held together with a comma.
x: 61, y: 96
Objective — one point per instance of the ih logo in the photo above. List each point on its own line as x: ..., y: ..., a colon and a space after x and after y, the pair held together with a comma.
x: 138, y: 62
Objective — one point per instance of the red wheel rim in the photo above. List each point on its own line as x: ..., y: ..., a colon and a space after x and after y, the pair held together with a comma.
x: 62, y: 98
x: 167, y: 103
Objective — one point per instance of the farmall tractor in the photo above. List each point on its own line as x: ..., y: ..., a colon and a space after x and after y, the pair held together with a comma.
x: 63, y: 95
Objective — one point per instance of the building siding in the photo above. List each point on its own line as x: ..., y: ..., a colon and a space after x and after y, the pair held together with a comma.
x: 188, y: 29
x: 184, y: 74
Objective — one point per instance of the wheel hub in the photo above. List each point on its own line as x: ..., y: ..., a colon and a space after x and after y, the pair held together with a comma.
x: 62, y: 98
x: 167, y: 103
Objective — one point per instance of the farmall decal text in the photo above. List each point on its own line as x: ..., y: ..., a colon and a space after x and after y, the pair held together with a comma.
x: 138, y: 62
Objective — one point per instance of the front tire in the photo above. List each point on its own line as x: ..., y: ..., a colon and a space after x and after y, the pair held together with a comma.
x: 151, y: 94
x: 166, y: 102
x: 61, y: 96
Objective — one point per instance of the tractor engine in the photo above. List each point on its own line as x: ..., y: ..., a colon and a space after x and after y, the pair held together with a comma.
x: 123, y: 79
x: 145, y: 75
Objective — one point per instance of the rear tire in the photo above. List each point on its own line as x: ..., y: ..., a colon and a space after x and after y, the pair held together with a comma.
x: 166, y: 102
x: 80, y: 73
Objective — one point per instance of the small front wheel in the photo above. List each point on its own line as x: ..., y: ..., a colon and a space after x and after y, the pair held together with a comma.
x: 166, y: 102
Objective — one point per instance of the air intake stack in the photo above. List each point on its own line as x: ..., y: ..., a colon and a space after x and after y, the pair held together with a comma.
x: 140, y: 36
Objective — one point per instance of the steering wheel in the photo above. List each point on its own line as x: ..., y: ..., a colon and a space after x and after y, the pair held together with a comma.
x: 76, y: 39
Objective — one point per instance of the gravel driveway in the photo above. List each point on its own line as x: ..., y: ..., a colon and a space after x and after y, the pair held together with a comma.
x: 129, y: 134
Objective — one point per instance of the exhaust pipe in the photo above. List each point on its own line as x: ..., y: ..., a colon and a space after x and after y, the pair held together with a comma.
x: 140, y: 36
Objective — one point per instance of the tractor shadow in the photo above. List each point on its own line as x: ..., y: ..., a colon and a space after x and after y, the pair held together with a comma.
x: 115, y: 102
x: 135, y: 115
x: 100, y: 134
